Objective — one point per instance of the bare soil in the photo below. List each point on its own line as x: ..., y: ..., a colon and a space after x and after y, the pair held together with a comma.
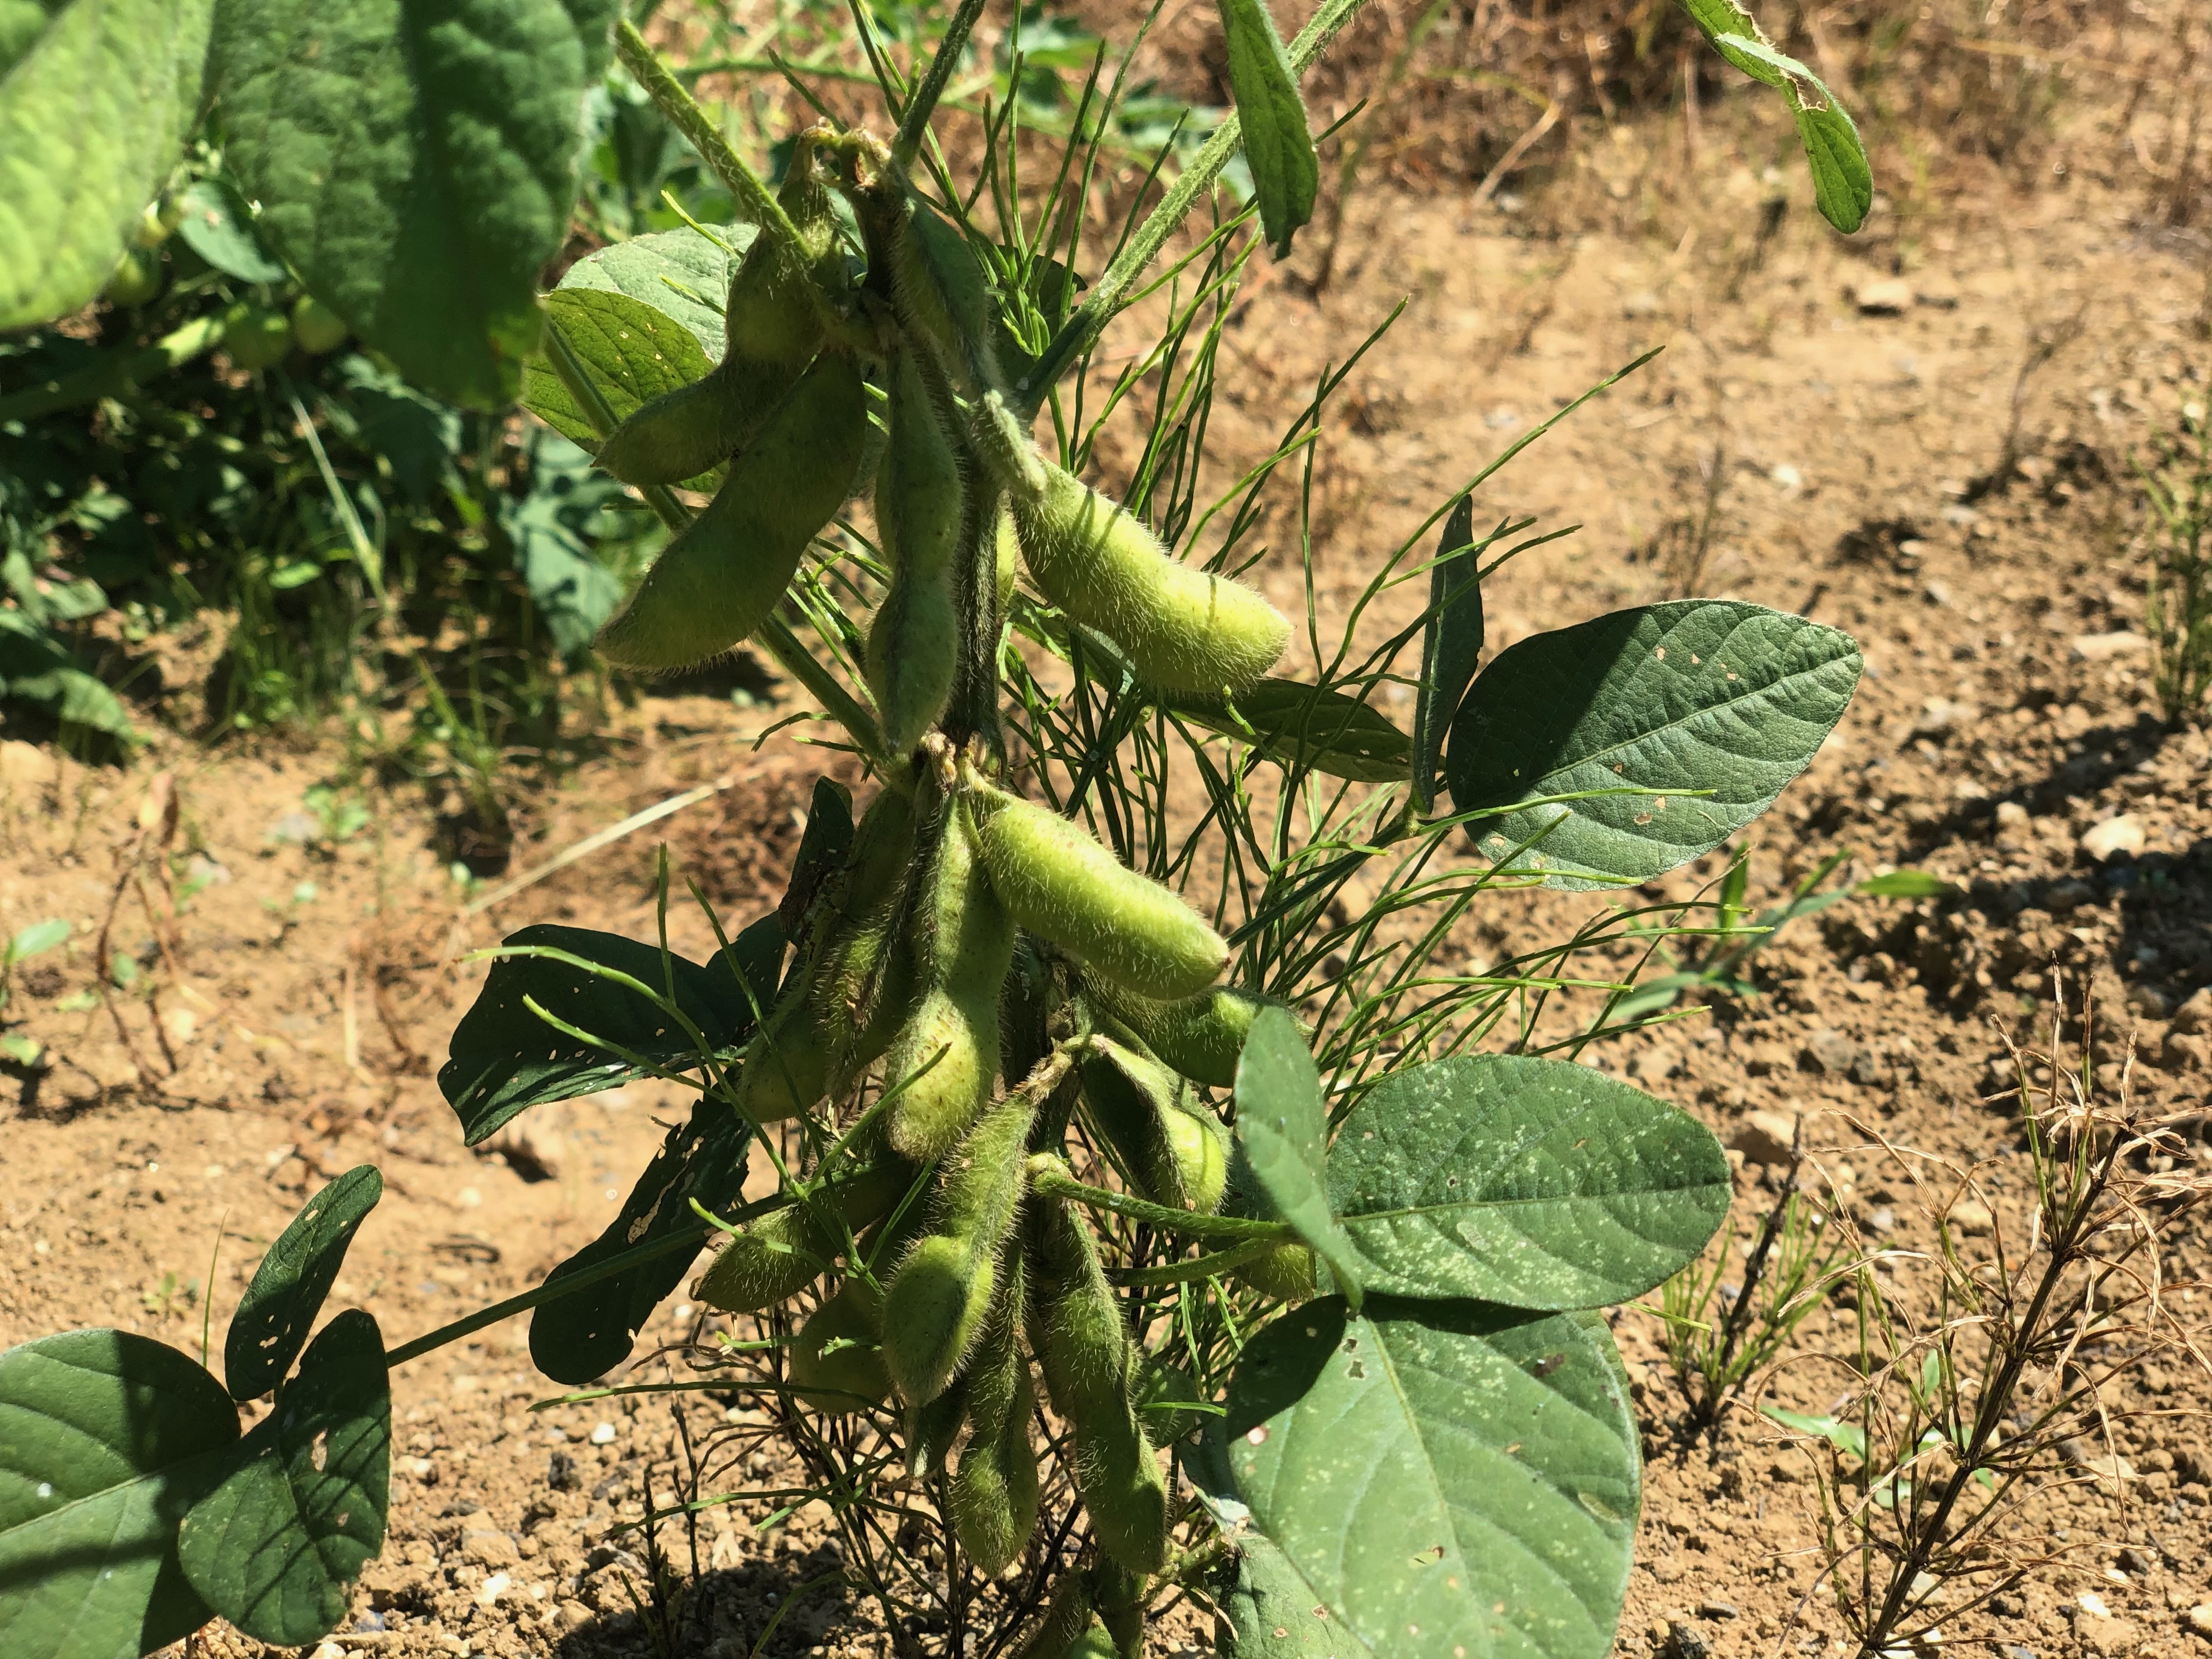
x: 1905, y: 462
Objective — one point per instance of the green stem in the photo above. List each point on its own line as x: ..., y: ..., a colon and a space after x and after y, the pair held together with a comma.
x: 119, y: 372
x: 914, y: 123
x: 1046, y: 1177
x: 1203, y: 1267
x: 1082, y: 329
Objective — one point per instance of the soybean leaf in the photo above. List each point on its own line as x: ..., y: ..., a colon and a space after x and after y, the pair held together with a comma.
x: 95, y: 99
x: 1306, y: 726
x: 823, y: 845
x: 279, y: 1307
x: 37, y: 939
x: 1905, y: 884
x: 1842, y: 183
x: 504, y: 1059
x: 218, y: 226
x: 574, y: 1339
x: 1451, y: 643
x: 417, y: 164
x: 633, y: 353
x: 1282, y: 1131
x: 1533, y: 1182
x: 552, y: 530
x: 1714, y: 696
x: 1277, y: 145
x: 107, y: 1439
x: 38, y: 668
x: 682, y: 274
x: 1444, y: 1478
x: 274, y: 1548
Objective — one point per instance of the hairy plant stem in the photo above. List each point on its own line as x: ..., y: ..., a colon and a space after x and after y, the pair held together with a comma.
x: 1088, y: 321
x: 1049, y: 1176
x: 1198, y: 1267
x: 913, y: 123
x: 775, y: 636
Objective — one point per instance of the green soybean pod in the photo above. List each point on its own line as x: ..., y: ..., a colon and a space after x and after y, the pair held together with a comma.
x: 786, y: 1063
x: 1200, y: 1037
x: 1184, y: 629
x: 255, y: 336
x: 719, y: 578
x: 836, y: 1361
x: 1060, y: 882
x: 939, y: 287
x: 1065, y: 1624
x: 318, y: 328
x: 1286, y: 1271
x: 1007, y: 551
x: 993, y: 1497
x: 913, y: 642
x: 933, y: 1428
x: 935, y: 1303
x: 1143, y: 1111
x: 945, y: 1061
x: 781, y: 1252
x: 1118, y: 1598
x: 1085, y: 1354
x: 772, y: 330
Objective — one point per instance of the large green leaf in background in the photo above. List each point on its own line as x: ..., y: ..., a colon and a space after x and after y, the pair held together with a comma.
x: 1534, y: 1183
x: 279, y: 1307
x: 1439, y: 1479
x: 275, y: 1547
x: 1282, y: 1139
x: 1710, y: 696
x: 416, y: 163
x: 95, y: 99
x: 107, y: 1439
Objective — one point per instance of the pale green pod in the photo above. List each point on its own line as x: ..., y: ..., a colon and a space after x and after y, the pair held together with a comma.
x: 941, y: 291
x: 1003, y: 444
x: 782, y: 1252
x: 993, y: 1497
x: 914, y: 640
x: 835, y: 1361
x: 1009, y: 553
x: 1060, y: 882
x: 1287, y: 1272
x: 935, y: 1303
x: 1184, y: 629
x: 720, y: 579
x: 772, y: 330
x: 1174, y: 1151
x: 1200, y: 1037
x: 786, y: 1063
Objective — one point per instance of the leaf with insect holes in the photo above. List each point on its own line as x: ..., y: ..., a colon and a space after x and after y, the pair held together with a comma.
x: 632, y: 353
x: 1440, y: 1478
x: 276, y: 1546
x: 1527, y: 1181
x: 682, y: 274
x: 1451, y: 644
x: 96, y: 98
x: 416, y: 164
x: 505, y: 1059
x: 1282, y: 1136
x: 107, y: 1439
x: 279, y: 1307
x: 1278, y: 147
x: 1842, y: 183
x: 1677, y: 724
x: 586, y: 1334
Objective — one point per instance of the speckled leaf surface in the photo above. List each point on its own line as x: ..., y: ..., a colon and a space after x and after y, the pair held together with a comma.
x: 416, y: 161
x: 683, y: 274
x: 1534, y: 1183
x: 1677, y: 724
x: 279, y: 1307
x: 1446, y: 1480
x: 95, y: 99
x: 632, y: 352
x: 1282, y: 1138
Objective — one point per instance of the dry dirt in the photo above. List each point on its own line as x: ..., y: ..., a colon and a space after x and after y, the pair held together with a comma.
x: 1805, y: 446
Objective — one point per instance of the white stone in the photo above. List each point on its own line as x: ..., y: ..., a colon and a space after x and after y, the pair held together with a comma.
x: 2125, y: 833
x: 2103, y: 647
x: 1883, y: 297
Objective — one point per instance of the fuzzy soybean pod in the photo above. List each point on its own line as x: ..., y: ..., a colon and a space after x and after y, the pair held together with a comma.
x: 1060, y: 884
x: 939, y: 287
x: 945, y: 1061
x: 836, y: 1361
x: 1200, y: 1037
x: 1066, y: 1622
x: 1007, y: 549
x: 935, y: 1304
x: 1184, y: 629
x: 1175, y: 1150
x: 780, y: 1253
x: 914, y: 643
x: 1084, y: 1352
x: 772, y: 330
x: 721, y: 578
x: 993, y: 1498
x: 1286, y: 1271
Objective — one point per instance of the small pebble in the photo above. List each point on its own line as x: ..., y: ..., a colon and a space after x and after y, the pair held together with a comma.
x: 604, y: 1435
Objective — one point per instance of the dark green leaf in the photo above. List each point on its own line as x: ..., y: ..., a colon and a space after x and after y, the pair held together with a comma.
x: 416, y: 164
x: 1305, y: 727
x: 681, y: 274
x: 632, y: 352
x: 37, y: 668
x: 1285, y: 173
x: 554, y: 529
x: 1451, y: 643
x: 95, y: 99
x: 577, y: 1338
x: 1444, y: 1478
x: 1533, y: 1182
x: 823, y: 846
x: 107, y: 1439
x: 418, y: 437
x: 1658, y: 703
x: 1282, y: 1132
x: 275, y: 1547
x: 505, y: 1058
x: 279, y: 1307
x: 218, y: 226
